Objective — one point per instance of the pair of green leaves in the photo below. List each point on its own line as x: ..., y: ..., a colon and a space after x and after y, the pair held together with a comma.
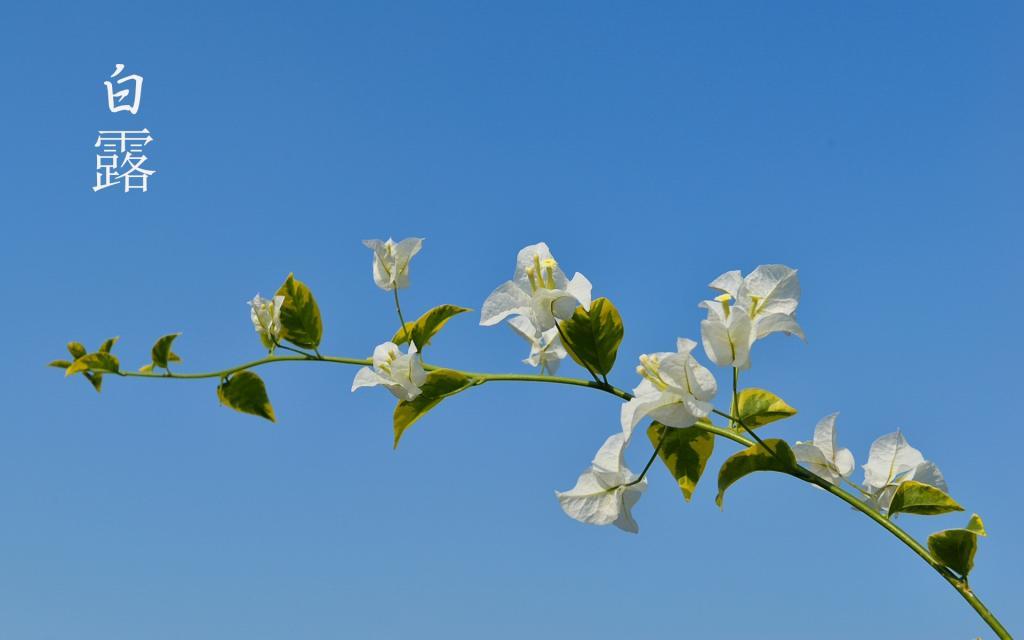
x: 161, y: 353
x: 685, y: 452
x: 91, y: 365
x: 756, y: 408
x: 955, y: 548
x: 427, y: 325
x: 440, y: 383
x: 592, y: 337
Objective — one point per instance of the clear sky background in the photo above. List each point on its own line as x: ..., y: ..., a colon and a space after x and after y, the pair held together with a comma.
x: 876, y: 147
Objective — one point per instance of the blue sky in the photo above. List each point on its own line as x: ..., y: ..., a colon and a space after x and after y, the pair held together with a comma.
x: 877, y: 148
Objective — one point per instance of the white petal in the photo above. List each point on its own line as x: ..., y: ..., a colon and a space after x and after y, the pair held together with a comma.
x: 777, y: 287
x: 639, y: 407
x: 675, y: 414
x: 825, y: 435
x: 629, y: 497
x: 561, y: 305
x: 367, y: 377
x: 383, y: 353
x: 610, y: 456
x: 402, y: 255
x: 777, y: 323
x: 525, y: 259
x: 590, y: 501
x: 580, y: 289
x: 929, y: 474
x: 808, y: 453
x: 684, y: 346
x: 524, y: 327
x: 890, y: 456
x: 844, y: 462
x: 728, y: 282
x: 715, y: 337
x: 504, y: 301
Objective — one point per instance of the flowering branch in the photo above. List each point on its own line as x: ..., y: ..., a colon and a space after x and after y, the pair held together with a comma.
x: 558, y: 317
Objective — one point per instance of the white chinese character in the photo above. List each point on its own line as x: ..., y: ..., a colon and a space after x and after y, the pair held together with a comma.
x: 120, y: 149
x: 116, y: 100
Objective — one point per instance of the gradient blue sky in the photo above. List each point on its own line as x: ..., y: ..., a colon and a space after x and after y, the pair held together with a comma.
x: 877, y: 148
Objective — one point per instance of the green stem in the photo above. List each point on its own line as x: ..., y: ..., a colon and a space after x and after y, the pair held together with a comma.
x: 647, y: 467
x: 728, y: 433
x: 298, y: 351
x: 398, y: 308
x: 735, y: 392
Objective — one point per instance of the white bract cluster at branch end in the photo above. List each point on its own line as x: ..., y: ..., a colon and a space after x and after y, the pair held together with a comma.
x: 891, y: 462
x: 265, y: 314
x: 675, y: 391
x: 391, y: 261
x: 539, y: 290
x: 401, y: 373
x: 750, y: 308
x: 606, y: 492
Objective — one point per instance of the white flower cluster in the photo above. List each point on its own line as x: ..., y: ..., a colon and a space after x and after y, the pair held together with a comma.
x: 891, y: 462
x: 675, y: 389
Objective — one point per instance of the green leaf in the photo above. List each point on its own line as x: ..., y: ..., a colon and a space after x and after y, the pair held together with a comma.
x: 300, y: 316
x: 440, y: 384
x: 98, y: 362
x: 755, y: 458
x: 684, y: 451
x: 592, y: 337
x: 758, y: 407
x: 60, y: 364
x: 975, y: 525
x: 921, y: 499
x: 245, y: 392
x: 95, y: 379
x: 427, y: 325
x: 955, y: 548
x: 108, y: 344
x: 76, y: 349
x: 161, y: 352
x: 146, y: 368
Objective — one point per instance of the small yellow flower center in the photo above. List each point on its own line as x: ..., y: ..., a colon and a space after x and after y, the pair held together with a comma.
x: 386, y: 365
x: 542, y: 273
x: 650, y: 369
x: 755, y: 301
x: 724, y: 300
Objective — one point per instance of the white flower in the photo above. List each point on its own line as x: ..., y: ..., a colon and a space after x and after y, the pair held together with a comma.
x: 401, y: 373
x: 603, y: 493
x: 891, y: 462
x: 546, y: 350
x: 675, y: 390
x: 749, y: 309
x: 538, y: 290
x: 821, y: 456
x: 265, y: 314
x: 391, y: 261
